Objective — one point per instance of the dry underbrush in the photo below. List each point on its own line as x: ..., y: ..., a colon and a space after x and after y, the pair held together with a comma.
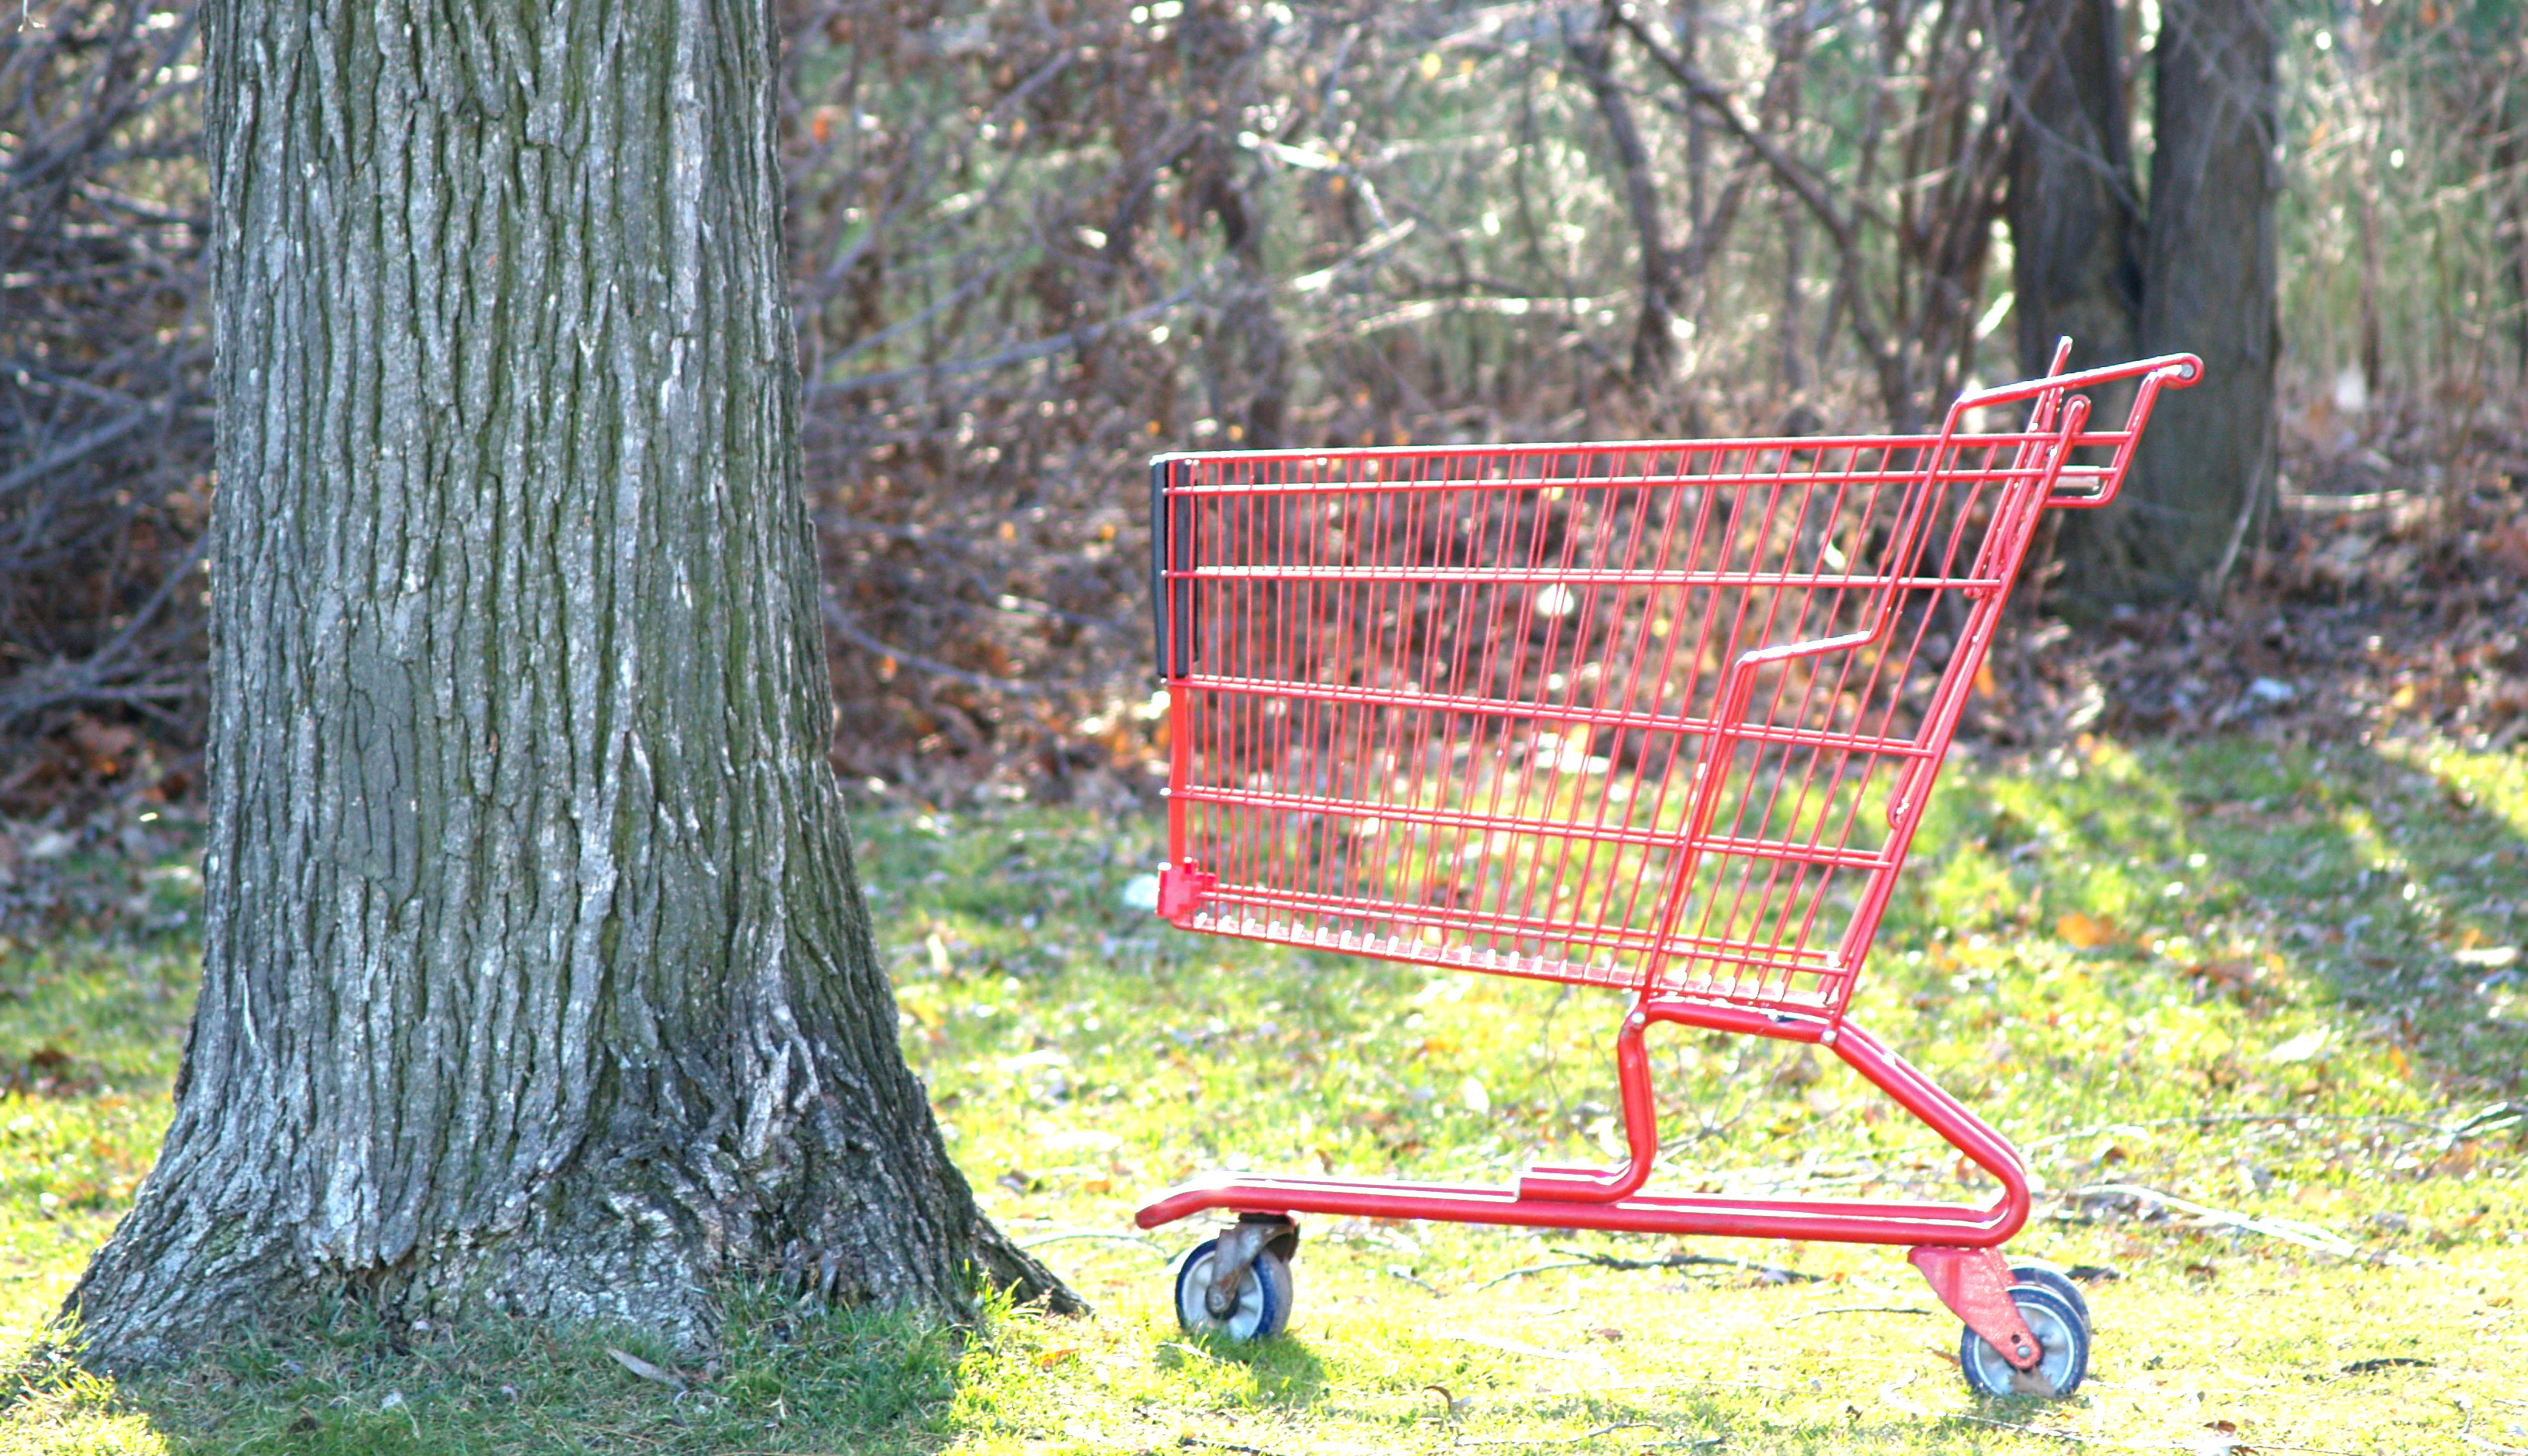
x: 2384, y: 598
x: 1032, y: 244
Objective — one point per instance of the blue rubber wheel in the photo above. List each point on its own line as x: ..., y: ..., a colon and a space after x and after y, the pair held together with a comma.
x: 2062, y: 1342
x: 1264, y: 1296
x: 2051, y: 1277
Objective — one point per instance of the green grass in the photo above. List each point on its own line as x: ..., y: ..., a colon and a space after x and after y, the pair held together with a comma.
x: 2262, y: 980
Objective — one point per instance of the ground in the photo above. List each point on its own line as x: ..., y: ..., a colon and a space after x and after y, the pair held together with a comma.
x: 2254, y: 1007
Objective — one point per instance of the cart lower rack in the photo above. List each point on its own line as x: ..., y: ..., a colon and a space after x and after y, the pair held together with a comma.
x: 1659, y: 718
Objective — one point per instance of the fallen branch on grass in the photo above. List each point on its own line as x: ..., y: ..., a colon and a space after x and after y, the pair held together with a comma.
x: 1772, y: 1274
x: 2377, y: 1364
x: 1532, y: 1269
x: 1142, y: 1240
x: 1858, y: 1309
x: 2492, y: 1118
x: 1560, y: 1440
x: 1207, y: 1442
x: 2090, y: 1441
x: 2308, y: 1236
x: 2058, y: 1435
x: 1521, y: 1347
x: 2467, y: 1429
x: 2499, y: 1117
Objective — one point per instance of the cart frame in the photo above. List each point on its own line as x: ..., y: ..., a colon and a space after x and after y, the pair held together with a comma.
x: 1955, y: 1245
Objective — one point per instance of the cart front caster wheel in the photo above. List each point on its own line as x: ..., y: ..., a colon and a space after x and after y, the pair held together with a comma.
x: 2051, y: 1277
x: 2062, y: 1340
x: 1264, y: 1295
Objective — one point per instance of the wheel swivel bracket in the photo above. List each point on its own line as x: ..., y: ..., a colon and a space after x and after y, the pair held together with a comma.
x: 1235, y: 1254
x: 1974, y: 1284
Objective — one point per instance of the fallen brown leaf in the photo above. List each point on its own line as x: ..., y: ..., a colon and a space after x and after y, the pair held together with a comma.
x: 645, y: 1370
x: 2083, y: 932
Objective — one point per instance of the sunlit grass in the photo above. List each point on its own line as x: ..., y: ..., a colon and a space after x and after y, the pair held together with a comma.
x: 2268, y: 981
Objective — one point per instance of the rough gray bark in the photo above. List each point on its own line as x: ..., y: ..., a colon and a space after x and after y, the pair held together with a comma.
x: 1246, y: 356
x: 2206, y: 467
x: 537, y: 978
x: 2074, y: 220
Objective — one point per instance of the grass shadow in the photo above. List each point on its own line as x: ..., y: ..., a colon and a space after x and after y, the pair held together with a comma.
x: 781, y: 1379
x: 1284, y: 1372
x: 2341, y: 897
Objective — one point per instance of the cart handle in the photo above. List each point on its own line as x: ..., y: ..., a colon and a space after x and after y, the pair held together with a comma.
x: 2183, y: 371
x: 2165, y: 371
x: 1175, y: 547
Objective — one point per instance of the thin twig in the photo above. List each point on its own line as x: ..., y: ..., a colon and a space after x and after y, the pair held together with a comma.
x: 1139, y: 1240
x: 1522, y: 1347
x: 86, y: 444
x: 2091, y: 1440
x: 849, y: 629
x: 2385, y: 1361
x: 2308, y: 1236
x: 2467, y: 1429
x: 1858, y: 1309
x: 2207, y: 1118
x: 1076, y: 339
x: 2060, y: 1435
x: 1690, y: 1261
x: 1562, y: 1440
x: 1530, y: 1269
x: 1206, y: 1441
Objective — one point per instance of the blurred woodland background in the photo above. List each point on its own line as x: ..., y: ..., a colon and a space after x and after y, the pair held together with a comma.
x: 1036, y: 240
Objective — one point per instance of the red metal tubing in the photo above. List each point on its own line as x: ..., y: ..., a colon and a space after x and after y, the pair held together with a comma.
x: 1720, y: 1016
x: 1949, y: 1118
x: 1326, y: 461
x: 1890, y: 1073
x: 2180, y: 370
x: 1509, y: 963
x: 1819, y: 1220
x: 1577, y: 1198
x: 1641, y: 1133
x: 1510, y: 708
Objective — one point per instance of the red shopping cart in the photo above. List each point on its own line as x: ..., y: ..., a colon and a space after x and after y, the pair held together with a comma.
x: 1659, y: 718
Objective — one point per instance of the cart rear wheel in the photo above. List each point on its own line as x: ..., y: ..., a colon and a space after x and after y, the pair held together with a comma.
x: 2049, y: 1277
x: 2062, y: 1338
x: 1264, y: 1296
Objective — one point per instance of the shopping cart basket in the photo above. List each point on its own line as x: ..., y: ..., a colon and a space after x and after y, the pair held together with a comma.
x: 1659, y: 718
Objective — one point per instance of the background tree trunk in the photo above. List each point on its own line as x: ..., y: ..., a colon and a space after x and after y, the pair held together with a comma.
x: 2206, y: 466
x: 1654, y: 328
x: 537, y: 978
x: 2074, y: 220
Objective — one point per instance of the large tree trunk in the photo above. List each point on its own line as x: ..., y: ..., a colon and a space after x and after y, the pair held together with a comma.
x: 536, y: 975
x: 2075, y: 223
x: 2206, y: 466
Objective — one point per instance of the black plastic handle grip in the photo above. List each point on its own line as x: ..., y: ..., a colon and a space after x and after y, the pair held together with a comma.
x: 1175, y: 547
